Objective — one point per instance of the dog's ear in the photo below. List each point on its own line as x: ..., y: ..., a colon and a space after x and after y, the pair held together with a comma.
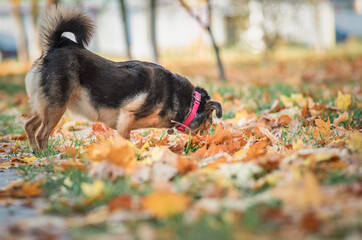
x: 214, y: 105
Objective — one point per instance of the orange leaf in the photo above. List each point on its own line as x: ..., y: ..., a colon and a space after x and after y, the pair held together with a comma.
x: 323, y: 130
x: 70, y: 151
x: 177, y: 146
x: 23, y: 189
x: 101, y: 131
x: 120, y: 202
x: 256, y: 149
x: 284, y: 119
x: 224, y: 134
x: 72, y: 163
x: 165, y: 204
x: 217, y: 96
x: 185, y: 165
x: 31, y: 189
x: 120, y: 153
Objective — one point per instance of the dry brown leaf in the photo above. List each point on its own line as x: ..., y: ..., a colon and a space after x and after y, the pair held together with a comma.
x: 123, y: 201
x: 23, y: 189
x: 341, y: 118
x: 14, y: 137
x: 101, y: 131
x: 284, y: 119
x: 322, y: 131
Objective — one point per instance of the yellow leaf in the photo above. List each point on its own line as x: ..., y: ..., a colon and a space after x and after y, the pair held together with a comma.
x: 298, y: 144
x: 320, y: 157
x: 241, y: 115
x: 355, y: 142
x: 343, y: 100
x: 31, y: 159
x: 164, y: 204
x: 295, y: 98
x: 298, y: 98
x: 286, y: 101
x: 93, y: 190
x: 146, y: 146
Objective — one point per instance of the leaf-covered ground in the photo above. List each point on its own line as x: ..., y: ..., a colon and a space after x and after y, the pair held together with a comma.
x: 284, y: 162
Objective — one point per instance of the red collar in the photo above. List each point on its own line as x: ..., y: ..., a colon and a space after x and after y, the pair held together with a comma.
x: 196, y: 104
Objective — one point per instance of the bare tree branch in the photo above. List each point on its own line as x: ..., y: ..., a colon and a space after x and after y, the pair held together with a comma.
x: 207, y: 28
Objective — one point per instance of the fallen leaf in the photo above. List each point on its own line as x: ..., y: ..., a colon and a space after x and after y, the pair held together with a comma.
x: 323, y: 130
x: 93, y: 190
x: 341, y: 118
x: 343, y: 100
x: 256, y: 149
x: 303, y: 193
x: 120, y: 153
x: 102, y: 132
x: 123, y: 201
x: 355, y: 141
x: 23, y: 189
x: 30, y: 159
x: 165, y: 204
x: 284, y: 119
x: 185, y: 165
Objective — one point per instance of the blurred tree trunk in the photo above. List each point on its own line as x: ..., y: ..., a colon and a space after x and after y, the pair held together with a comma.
x: 207, y: 28
x: 34, y: 16
x: 316, y: 15
x: 125, y: 27
x: 153, y: 29
x: 53, y: 2
x: 21, y: 39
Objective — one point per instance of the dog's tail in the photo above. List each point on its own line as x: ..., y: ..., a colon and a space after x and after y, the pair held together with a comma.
x: 59, y: 19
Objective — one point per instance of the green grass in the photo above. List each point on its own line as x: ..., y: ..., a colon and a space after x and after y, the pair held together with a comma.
x: 11, y: 88
x: 8, y: 125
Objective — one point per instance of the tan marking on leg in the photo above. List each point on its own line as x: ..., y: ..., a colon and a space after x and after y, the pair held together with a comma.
x: 152, y: 120
x: 50, y: 119
x: 80, y: 103
x: 30, y: 128
x: 33, y: 89
x: 126, y: 116
x: 135, y: 103
x: 124, y: 124
x: 109, y: 117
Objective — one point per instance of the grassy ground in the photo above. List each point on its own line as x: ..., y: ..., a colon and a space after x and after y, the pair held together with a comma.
x: 284, y: 162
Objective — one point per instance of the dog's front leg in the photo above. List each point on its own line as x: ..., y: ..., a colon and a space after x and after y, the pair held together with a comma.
x: 124, y: 124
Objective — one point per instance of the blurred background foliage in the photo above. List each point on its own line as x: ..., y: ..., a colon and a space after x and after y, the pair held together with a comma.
x: 234, y: 40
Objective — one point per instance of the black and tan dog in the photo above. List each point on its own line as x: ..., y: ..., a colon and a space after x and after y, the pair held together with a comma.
x: 123, y: 95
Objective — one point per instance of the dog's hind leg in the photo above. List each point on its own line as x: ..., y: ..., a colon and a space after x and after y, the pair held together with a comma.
x: 30, y: 128
x: 49, y: 119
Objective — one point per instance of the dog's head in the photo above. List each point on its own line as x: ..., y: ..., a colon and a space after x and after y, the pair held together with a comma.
x: 203, y: 118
